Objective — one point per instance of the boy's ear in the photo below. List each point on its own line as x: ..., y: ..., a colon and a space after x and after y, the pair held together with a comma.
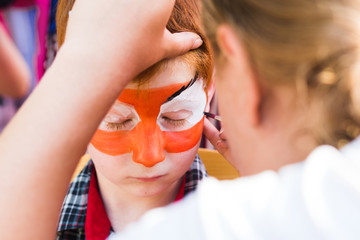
x: 210, y: 92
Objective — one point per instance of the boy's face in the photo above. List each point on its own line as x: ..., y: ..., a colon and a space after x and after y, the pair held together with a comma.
x: 147, y: 142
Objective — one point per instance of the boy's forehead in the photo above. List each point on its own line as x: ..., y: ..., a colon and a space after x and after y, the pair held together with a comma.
x: 149, y: 100
x: 173, y: 71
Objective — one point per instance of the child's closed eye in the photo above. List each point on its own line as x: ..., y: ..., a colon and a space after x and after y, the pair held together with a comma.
x: 123, y: 125
x: 174, y: 120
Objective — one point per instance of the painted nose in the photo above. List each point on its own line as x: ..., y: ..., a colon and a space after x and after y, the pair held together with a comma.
x: 149, y: 147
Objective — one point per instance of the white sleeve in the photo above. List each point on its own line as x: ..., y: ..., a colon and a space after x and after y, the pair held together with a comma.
x: 315, y: 199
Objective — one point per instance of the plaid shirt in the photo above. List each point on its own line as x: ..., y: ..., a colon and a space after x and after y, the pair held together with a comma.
x: 73, y: 213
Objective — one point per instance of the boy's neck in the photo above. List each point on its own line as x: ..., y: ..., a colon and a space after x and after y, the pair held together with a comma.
x: 122, y: 207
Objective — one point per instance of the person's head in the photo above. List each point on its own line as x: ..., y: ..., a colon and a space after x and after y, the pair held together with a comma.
x: 150, y: 136
x: 286, y: 76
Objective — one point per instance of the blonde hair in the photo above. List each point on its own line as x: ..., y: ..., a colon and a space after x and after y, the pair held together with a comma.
x: 184, y: 17
x: 310, y: 44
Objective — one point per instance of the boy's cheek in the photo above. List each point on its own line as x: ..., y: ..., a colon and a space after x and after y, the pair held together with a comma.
x: 176, y: 142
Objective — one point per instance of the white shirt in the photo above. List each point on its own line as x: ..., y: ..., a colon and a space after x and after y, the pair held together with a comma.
x: 318, y: 198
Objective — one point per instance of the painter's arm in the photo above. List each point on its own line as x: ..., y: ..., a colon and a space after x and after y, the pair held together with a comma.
x: 14, y: 73
x: 106, y: 45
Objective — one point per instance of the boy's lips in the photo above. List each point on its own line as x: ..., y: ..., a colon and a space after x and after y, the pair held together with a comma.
x: 148, y: 179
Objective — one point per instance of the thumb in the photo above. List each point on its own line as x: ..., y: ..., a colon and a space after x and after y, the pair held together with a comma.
x: 176, y: 44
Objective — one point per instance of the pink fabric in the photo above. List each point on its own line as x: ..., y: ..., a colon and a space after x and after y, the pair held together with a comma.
x: 2, y: 20
x: 44, y: 7
x: 43, y: 12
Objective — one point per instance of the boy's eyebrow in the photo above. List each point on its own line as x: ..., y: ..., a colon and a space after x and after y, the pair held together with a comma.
x: 183, y: 88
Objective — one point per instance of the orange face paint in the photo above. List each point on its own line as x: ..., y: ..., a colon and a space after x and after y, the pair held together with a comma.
x: 146, y: 140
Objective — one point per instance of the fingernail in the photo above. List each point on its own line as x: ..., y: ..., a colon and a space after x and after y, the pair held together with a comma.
x: 221, y: 135
x: 198, y: 42
x: 220, y: 144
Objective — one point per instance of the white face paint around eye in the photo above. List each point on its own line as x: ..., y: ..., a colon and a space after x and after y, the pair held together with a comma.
x: 189, y: 106
x: 121, y: 116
